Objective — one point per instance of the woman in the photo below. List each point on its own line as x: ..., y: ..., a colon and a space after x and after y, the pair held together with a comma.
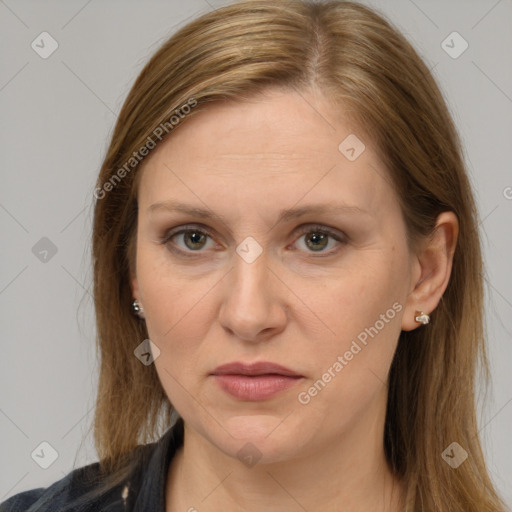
x: 284, y: 212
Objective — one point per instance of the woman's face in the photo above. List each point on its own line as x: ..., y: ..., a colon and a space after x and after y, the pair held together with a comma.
x: 263, y: 237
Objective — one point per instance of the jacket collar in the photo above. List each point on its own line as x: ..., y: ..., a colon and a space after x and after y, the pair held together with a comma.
x: 153, y: 478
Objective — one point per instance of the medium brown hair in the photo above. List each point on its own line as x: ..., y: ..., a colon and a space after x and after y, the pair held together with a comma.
x: 361, y: 62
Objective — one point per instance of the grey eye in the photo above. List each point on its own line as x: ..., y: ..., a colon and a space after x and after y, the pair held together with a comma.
x: 194, y: 239
x: 317, y: 241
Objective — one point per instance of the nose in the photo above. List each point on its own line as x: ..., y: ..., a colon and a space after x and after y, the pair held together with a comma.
x: 253, y: 307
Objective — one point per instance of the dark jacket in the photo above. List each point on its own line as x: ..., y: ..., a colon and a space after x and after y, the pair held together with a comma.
x: 143, y: 490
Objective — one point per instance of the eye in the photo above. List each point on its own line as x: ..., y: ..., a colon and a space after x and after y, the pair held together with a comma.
x: 318, y: 238
x: 188, y: 240
x: 193, y: 239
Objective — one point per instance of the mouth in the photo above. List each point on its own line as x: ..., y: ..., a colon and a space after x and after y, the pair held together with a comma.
x: 254, y: 382
x: 254, y: 369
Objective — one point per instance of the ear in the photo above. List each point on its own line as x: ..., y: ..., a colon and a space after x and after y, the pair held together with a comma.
x: 132, y: 266
x: 433, y: 265
x: 134, y: 283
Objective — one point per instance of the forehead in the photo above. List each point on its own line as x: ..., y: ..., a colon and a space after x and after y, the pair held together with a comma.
x: 276, y: 149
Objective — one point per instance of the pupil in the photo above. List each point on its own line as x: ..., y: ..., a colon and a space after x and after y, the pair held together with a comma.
x: 196, y: 239
x: 316, y: 238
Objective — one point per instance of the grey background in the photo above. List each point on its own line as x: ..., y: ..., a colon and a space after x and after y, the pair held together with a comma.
x: 56, y: 117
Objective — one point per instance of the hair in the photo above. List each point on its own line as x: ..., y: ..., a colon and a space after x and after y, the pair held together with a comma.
x: 358, y: 60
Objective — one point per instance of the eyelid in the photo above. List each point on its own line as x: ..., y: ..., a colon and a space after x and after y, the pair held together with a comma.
x: 186, y: 227
x: 321, y: 228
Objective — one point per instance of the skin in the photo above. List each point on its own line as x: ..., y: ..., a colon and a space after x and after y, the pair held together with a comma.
x: 246, y: 162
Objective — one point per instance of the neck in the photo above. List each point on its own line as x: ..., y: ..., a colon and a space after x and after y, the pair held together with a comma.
x: 351, y: 475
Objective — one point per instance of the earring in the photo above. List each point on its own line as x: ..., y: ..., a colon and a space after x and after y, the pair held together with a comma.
x: 137, y: 309
x: 422, y: 318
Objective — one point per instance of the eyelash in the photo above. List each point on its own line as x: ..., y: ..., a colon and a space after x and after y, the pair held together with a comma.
x: 304, y: 230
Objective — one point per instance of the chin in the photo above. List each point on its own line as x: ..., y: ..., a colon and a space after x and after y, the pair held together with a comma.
x: 254, y: 427
x: 264, y: 437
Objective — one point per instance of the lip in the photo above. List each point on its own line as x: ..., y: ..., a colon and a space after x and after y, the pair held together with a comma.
x: 256, y: 381
x: 251, y: 369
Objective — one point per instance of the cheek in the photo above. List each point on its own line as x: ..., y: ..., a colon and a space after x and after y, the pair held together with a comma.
x: 363, y: 310
x: 178, y: 316
x: 354, y: 299
x: 351, y: 370
x: 178, y: 309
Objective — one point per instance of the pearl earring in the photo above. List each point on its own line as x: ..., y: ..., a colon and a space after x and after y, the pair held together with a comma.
x: 422, y: 318
x: 137, y: 309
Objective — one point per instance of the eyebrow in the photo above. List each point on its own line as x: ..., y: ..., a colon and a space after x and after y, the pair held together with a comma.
x: 284, y: 215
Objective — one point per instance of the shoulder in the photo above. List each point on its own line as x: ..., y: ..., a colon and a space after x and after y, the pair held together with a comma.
x: 79, y: 490
x: 22, y: 501
x: 69, y: 493
x: 84, y: 490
